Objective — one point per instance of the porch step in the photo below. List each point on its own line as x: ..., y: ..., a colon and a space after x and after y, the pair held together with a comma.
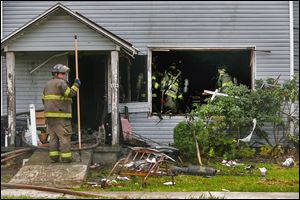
x: 39, y: 170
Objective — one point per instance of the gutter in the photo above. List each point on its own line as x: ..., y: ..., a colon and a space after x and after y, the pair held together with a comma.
x: 291, y: 13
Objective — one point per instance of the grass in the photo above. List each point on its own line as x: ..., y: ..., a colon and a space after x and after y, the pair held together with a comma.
x: 235, y: 179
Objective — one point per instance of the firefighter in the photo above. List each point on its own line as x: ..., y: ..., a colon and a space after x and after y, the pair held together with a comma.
x: 156, y: 88
x: 171, y: 88
x: 57, y: 100
x: 224, y: 79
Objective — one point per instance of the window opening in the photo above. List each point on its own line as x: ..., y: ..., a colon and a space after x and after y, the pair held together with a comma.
x: 179, y: 77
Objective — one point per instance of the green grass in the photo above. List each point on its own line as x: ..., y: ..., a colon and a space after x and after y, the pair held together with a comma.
x: 235, y: 179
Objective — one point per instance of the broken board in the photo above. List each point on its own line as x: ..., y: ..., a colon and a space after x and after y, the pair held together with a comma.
x: 39, y: 170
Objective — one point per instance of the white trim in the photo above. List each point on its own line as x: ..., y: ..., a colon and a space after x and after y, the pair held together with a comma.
x: 149, y: 76
x: 151, y: 48
x: 291, y: 39
x: 253, y: 65
x: 154, y: 47
x: 80, y: 18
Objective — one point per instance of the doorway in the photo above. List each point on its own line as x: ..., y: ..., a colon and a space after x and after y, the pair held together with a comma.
x: 93, y: 102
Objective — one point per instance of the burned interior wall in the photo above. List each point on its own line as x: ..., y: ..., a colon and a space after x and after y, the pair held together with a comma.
x: 133, y: 79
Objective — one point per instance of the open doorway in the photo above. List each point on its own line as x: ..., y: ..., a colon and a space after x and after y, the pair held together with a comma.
x: 197, y: 71
x: 93, y: 104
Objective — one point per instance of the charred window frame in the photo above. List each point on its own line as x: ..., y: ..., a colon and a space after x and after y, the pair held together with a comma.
x: 153, y: 49
x: 133, y: 78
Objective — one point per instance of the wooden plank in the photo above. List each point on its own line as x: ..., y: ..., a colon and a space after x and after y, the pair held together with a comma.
x: 115, y: 97
x: 11, y: 101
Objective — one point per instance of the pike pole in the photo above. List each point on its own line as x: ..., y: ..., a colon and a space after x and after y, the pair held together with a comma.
x: 78, y: 101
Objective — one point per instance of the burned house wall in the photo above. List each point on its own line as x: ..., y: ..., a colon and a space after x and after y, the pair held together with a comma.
x: 263, y: 24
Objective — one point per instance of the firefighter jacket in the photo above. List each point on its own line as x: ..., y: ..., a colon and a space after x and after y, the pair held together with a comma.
x: 57, y: 98
x: 156, y: 77
x: 224, y: 80
x: 170, y: 84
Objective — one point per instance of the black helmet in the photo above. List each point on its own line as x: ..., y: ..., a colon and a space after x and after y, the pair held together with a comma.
x: 59, y: 68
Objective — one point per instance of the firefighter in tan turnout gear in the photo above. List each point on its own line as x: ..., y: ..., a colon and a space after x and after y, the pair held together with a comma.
x: 57, y: 100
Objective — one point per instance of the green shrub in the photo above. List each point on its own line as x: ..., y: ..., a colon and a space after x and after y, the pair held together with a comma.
x: 246, y: 152
x: 183, y: 140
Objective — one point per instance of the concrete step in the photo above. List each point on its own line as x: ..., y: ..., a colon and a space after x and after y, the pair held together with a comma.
x: 39, y: 170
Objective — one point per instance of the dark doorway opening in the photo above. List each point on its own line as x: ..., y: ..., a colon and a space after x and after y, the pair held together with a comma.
x: 200, y: 68
x: 93, y: 104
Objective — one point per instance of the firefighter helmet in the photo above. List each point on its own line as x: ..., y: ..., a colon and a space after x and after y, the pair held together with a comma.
x: 59, y: 68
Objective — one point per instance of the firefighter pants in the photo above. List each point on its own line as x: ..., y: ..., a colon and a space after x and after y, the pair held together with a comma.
x: 59, y: 130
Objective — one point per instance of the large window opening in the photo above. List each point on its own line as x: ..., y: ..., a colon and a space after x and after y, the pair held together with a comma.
x: 194, y: 71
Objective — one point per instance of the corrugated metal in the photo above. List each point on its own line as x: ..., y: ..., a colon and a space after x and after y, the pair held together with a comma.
x: 264, y: 24
x: 57, y: 33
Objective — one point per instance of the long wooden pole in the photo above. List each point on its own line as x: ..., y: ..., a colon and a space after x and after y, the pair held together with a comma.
x: 78, y: 101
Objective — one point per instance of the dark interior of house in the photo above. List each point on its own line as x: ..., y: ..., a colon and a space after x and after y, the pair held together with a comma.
x: 91, y: 70
x: 201, y: 70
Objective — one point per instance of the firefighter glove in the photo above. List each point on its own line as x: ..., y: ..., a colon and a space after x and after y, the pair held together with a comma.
x: 77, y: 82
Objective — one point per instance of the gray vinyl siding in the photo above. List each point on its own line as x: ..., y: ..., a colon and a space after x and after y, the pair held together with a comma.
x: 263, y: 24
x: 153, y: 128
x: 57, y: 33
x: 29, y: 87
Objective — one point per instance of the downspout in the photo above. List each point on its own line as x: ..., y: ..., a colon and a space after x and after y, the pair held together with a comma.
x: 291, y: 17
x: 1, y: 59
x: 291, y: 39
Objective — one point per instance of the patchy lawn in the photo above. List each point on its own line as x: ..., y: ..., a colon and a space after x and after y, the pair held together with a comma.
x: 235, y: 179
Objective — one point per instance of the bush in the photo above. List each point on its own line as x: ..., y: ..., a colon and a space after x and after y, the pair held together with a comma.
x: 246, y: 152
x: 183, y: 140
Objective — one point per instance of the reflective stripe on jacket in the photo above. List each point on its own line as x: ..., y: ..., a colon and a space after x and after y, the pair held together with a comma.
x: 57, y: 98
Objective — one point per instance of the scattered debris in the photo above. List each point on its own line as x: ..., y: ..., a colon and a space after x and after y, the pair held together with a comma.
x: 263, y: 171
x: 94, y: 166
x: 143, y: 162
x: 169, y: 183
x: 123, y: 178
x: 249, y: 167
x: 93, y: 184
x: 289, y: 162
x: 194, y: 170
x: 231, y: 163
x: 24, y: 161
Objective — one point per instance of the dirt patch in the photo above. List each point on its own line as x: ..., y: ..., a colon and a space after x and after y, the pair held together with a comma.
x: 274, y: 181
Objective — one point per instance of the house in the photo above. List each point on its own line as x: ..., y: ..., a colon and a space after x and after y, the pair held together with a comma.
x: 118, y: 42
